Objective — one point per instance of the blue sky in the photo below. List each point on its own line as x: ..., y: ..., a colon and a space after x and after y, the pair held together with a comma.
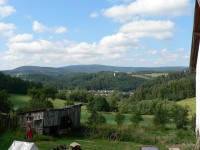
x: 134, y: 33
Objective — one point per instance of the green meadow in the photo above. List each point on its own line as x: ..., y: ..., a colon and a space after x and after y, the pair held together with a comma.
x: 22, y: 100
x: 167, y: 137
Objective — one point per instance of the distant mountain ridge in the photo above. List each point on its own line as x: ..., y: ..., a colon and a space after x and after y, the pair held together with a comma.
x: 88, y: 69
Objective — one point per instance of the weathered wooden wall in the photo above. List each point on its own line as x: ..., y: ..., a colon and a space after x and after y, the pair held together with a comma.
x: 43, y: 121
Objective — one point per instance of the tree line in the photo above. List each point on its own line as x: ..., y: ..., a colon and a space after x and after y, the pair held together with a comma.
x: 94, y: 81
x: 173, y: 87
x: 16, y: 85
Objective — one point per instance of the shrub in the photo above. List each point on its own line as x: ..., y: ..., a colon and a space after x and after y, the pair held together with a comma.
x: 193, y: 122
x: 160, y: 116
x: 96, y: 118
x: 180, y: 117
x: 136, y: 117
x: 119, y: 118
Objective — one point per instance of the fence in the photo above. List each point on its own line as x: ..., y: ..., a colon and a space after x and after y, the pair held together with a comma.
x: 6, y: 122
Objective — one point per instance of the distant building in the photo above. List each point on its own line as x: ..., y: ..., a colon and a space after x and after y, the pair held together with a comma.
x: 52, y: 121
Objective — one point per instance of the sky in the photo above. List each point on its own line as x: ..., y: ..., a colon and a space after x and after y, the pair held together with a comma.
x: 129, y: 33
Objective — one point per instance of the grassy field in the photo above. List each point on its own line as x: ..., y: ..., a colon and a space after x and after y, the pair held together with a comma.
x: 190, y: 103
x: 22, y: 100
x: 46, y: 142
x: 149, y: 76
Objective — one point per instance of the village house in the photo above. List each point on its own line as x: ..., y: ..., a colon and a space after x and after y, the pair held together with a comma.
x: 52, y: 121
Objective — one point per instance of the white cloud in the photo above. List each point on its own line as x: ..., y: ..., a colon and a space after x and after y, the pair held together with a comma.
x: 21, y: 38
x: 111, y: 48
x: 154, y: 29
x: 169, y: 8
x: 181, y: 49
x: 8, y: 33
x: 60, y: 30
x: 167, y: 57
x: 94, y: 15
x: 185, y: 57
x: 5, y: 9
x: 152, y: 52
x: 39, y: 28
x: 7, y: 26
x: 60, y: 52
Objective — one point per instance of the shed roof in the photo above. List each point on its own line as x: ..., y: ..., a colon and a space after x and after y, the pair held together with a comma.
x: 51, y: 109
x: 195, y: 37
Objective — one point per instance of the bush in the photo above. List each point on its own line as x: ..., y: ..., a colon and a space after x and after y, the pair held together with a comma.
x: 180, y: 117
x: 119, y: 118
x: 96, y: 118
x: 160, y: 116
x: 193, y: 122
x: 68, y: 102
x: 136, y: 117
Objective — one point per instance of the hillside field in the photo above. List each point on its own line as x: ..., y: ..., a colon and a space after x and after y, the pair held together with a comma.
x: 190, y: 103
x: 22, y: 100
x: 47, y: 142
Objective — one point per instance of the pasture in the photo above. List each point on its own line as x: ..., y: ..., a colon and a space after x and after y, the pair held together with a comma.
x: 145, y: 131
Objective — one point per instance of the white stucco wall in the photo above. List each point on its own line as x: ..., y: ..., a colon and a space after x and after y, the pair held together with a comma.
x: 198, y: 95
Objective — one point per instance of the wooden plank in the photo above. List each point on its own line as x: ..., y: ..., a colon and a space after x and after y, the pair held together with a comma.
x: 195, y: 38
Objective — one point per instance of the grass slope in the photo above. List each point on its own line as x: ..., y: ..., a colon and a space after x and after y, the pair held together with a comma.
x: 190, y: 103
x: 22, y: 100
x: 47, y: 142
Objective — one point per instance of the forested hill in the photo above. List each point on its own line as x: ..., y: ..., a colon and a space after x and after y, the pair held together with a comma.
x: 174, y: 86
x: 88, y: 69
x: 93, y: 81
x: 16, y: 85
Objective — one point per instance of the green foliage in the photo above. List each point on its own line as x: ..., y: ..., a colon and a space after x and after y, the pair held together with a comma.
x: 92, y: 81
x: 119, y: 118
x: 61, y: 95
x: 173, y: 87
x: 136, y: 117
x: 99, y: 103
x: 193, y: 122
x: 68, y: 102
x: 5, y: 105
x: 15, y: 84
x: 180, y: 117
x: 124, y: 106
x: 96, y: 118
x: 80, y: 96
x: 185, y: 135
x: 113, y: 101
x: 40, y: 98
x: 160, y: 116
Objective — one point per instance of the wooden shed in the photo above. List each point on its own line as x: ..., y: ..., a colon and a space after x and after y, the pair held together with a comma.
x: 52, y: 121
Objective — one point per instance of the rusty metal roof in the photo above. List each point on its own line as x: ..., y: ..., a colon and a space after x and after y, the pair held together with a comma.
x: 195, y: 37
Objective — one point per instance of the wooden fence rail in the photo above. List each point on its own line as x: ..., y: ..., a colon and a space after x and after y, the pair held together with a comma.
x: 6, y: 122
